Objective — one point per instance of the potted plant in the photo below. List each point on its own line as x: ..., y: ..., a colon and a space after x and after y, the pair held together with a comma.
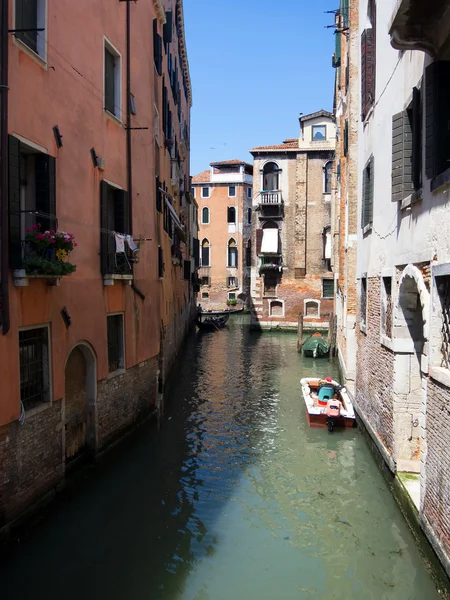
x: 47, y: 252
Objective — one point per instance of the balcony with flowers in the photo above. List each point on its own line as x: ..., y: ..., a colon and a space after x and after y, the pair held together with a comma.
x: 45, y: 255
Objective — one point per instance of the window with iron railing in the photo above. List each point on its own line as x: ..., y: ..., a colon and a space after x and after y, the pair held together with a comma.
x: 34, y: 367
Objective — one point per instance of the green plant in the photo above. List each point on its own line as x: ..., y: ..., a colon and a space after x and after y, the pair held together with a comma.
x: 37, y: 265
x: 231, y: 302
x: 46, y: 252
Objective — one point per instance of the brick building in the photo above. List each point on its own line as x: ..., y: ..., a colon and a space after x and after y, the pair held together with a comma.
x: 97, y: 144
x: 224, y: 196
x: 403, y: 257
x: 344, y: 222
x: 291, y: 237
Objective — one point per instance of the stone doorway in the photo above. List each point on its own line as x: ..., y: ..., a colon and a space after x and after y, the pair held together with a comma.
x: 410, y: 336
x: 79, y: 403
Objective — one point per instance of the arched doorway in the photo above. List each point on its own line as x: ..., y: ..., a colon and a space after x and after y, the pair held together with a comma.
x: 410, y: 334
x: 79, y: 402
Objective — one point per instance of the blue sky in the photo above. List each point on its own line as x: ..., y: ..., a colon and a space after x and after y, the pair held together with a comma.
x: 255, y: 66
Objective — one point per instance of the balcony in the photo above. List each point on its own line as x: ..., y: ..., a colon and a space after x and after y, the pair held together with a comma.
x: 418, y: 25
x: 271, y: 198
x: 270, y: 205
x: 271, y: 263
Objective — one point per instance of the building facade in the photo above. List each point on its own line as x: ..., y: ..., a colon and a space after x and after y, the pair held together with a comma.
x: 344, y: 222
x: 99, y: 267
x: 291, y: 261
x: 224, y: 197
x: 403, y: 258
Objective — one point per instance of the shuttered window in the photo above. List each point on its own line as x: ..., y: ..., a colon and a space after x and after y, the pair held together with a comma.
x: 187, y: 269
x: 196, y: 251
x: 368, y: 69
x: 205, y: 254
x: 368, y: 189
x: 110, y: 82
x: 160, y: 262
x: 259, y: 237
x: 114, y: 217
x: 26, y: 12
x: 327, y: 288
x: 167, y: 28
x: 437, y: 134
x: 157, y: 48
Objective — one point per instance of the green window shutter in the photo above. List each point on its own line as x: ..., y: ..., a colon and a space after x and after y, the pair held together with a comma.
x: 46, y: 190
x: 167, y: 29
x: 104, y: 225
x: 397, y: 157
x: 337, y: 51
x: 15, y: 246
x: 122, y: 212
x: 345, y: 14
x: 110, y: 64
x: 157, y: 47
x: 416, y: 121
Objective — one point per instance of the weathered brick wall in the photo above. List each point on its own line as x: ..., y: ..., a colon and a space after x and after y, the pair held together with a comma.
x: 124, y: 399
x: 31, y: 460
x: 436, y: 507
x: 375, y: 369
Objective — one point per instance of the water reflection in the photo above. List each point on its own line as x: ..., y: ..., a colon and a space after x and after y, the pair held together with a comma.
x: 235, y: 497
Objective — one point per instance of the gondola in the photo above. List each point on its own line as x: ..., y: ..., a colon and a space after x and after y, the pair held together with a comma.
x: 210, y: 322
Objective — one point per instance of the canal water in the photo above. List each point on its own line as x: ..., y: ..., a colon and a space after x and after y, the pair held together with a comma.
x: 234, y: 498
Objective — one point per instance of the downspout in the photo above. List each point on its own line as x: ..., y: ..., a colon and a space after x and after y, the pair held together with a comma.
x: 4, y: 257
x: 128, y: 128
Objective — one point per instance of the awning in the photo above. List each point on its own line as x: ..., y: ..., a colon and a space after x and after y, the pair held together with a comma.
x: 172, y: 211
x: 270, y: 241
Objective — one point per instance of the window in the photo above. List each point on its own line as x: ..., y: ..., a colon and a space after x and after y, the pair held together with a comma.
x: 115, y: 342
x: 437, y: 133
x: 327, y: 288
x: 34, y: 367
x: 327, y: 247
x: 232, y: 253
x: 248, y: 254
x: 205, y: 254
x: 249, y: 216
x: 327, y: 177
x: 205, y: 216
x: 312, y: 308
x: 205, y: 281
x: 160, y: 263
x: 231, y: 296
x: 271, y: 177
x: 193, y: 192
x: 386, y: 307
x: 32, y: 196
x: 270, y: 285
x: 443, y: 289
x: 367, y: 208
x: 112, y: 80
x: 231, y: 191
x: 157, y: 48
x: 30, y: 16
x: 346, y: 138
x: 133, y: 110
x: 407, y: 150
x: 114, y: 216
x: 205, y: 295
x: 249, y: 192
x: 205, y: 192
x: 231, y: 215
x: 368, y: 62
x: 276, y: 308
x: 319, y: 133
x: 363, y: 302
x: 157, y: 125
x: 232, y: 282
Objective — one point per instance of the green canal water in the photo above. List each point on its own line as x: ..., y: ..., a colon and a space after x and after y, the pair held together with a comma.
x: 234, y: 498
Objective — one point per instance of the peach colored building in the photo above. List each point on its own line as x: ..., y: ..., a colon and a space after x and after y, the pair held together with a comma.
x: 98, y: 145
x: 224, y: 196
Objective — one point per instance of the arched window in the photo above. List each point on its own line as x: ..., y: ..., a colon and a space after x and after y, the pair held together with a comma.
x: 205, y: 216
x: 248, y: 254
x: 205, y: 253
x: 270, y: 241
x: 231, y: 215
x: 271, y: 177
x: 232, y: 253
x: 327, y: 177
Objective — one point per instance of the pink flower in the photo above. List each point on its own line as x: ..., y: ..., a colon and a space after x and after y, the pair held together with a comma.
x: 40, y: 236
x: 27, y: 229
x: 38, y: 225
x: 34, y: 227
x: 52, y: 241
x: 75, y: 244
x: 52, y: 232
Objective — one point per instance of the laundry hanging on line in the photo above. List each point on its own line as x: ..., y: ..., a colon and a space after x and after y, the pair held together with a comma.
x: 120, y: 243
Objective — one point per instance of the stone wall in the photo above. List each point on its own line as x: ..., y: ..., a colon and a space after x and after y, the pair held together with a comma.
x: 436, y: 506
x: 375, y: 370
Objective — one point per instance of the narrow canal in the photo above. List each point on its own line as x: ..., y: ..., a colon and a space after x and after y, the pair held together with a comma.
x: 235, y: 498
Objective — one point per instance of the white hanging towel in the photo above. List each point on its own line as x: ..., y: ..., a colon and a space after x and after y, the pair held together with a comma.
x: 120, y: 243
x: 131, y: 245
x: 270, y: 241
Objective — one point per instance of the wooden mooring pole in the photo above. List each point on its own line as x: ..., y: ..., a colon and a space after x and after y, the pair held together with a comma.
x: 300, y: 332
x: 332, y: 333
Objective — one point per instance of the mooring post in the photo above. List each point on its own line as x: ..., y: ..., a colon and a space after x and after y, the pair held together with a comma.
x: 332, y: 333
x: 300, y: 332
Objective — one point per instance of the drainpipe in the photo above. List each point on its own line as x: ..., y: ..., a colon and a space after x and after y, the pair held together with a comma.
x: 129, y: 171
x: 4, y: 258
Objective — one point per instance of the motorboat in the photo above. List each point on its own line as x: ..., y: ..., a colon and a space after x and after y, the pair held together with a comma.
x: 317, y: 393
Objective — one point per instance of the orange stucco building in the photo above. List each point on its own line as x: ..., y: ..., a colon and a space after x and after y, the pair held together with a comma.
x: 224, y: 197
x: 98, y: 145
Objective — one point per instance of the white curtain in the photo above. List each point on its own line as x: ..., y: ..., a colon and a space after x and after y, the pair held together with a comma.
x: 270, y: 241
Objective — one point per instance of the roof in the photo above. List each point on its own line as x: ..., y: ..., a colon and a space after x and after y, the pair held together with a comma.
x: 203, y: 177
x: 288, y: 144
x: 233, y: 161
x: 315, y: 115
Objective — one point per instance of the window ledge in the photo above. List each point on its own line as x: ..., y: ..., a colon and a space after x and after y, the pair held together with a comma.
x: 31, y: 412
x: 440, y: 181
x: 42, y: 62
x: 21, y: 279
x: 441, y: 375
x: 367, y: 229
x: 111, y: 278
x: 411, y: 199
x: 386, y: 342
x: 116, y: 373
x: 113, y: 118
x: 362, y: 328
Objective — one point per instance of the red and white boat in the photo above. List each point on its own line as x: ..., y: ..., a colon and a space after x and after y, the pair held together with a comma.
x: 316, y: 393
